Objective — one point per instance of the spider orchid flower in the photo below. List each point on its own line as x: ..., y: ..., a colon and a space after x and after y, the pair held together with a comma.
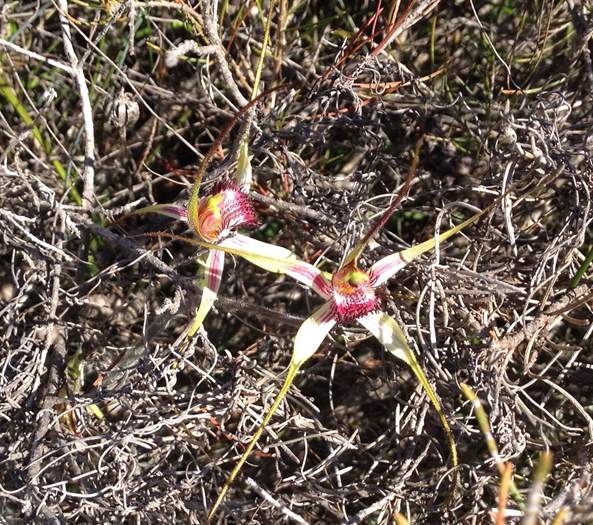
x: 215, y: 218
x: 351, y: 295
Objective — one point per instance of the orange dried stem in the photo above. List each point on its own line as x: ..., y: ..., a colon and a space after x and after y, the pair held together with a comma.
x: 391, y: 29
x: 354, y: 44
x: 503, y: 493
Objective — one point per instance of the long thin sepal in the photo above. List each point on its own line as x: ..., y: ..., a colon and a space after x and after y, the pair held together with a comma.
x: 353, y: 255
x: 484, y: 424
x: 267, y: 256
x: 267, y: 252
x: 279, y: 260
x: 169, y: 210
x: 388, y: 266
x: 309, y: 336
x: 192, y: 205
x: 292, y: 372
x: 312, y: 333
x: 392, y: 337
x: 210, y: 284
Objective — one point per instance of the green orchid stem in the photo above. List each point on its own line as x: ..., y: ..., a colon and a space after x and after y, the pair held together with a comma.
x: 292, y: 372
x: 264, y: 48
x: 582, y: 269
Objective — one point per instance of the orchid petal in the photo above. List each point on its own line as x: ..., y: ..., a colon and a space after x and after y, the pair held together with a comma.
x: 292, y: 372
x: 279, y: 260
x: 307, y: 341
x: 312, y: 333
x: 170, y: 210
x: 388, y: 266
x: 244, y: 171
x: 392, y: 337
x: 210, y: 284
x: 267, y: 256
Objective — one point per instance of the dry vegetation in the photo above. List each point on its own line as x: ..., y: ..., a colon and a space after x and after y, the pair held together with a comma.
x: 501, y: 93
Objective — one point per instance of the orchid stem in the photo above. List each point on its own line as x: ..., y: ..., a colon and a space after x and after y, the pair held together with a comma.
x: 292, y: 372
x: 193, y: 201
x: 264, y: 49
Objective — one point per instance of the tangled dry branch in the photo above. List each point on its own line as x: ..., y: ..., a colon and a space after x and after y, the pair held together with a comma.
x: 103, y: 106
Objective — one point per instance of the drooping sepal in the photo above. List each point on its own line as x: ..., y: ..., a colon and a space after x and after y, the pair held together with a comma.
x: 312, y: 333
x: 392, y: 337
x: 210, y: 284
x: 292, y: 372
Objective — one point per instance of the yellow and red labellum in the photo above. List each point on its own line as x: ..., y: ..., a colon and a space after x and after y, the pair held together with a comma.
x: 210, y: 217
x: 221, y: 212
x: 353, y: 296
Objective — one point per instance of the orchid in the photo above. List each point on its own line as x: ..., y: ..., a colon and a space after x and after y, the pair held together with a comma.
x: 215, y: 219
x: 216, y: 216
x: 351, y: 295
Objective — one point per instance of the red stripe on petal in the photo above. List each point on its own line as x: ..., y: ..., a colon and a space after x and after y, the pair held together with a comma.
x: 214, y: 271
x: 322, y: 286
x: 385, y: 268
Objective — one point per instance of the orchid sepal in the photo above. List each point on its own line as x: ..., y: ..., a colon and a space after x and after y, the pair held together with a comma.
x: 225, y: 246
x: 269, y: 257
x: 392, y: 337
x: 307, y: 341
x: 312, y: 333
x: 388, y: 266
x: 210, y: 284
x: 169, y: 210
x: 291, y: 374
x: 276, y: 259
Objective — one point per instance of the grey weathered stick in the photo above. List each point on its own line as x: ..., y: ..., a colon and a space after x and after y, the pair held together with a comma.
x: 88, y: 190
x: 36, y: 56
x: 250, y: 482
x: 542, y: 322
x: 211, y: 29
x: 54, y: 359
